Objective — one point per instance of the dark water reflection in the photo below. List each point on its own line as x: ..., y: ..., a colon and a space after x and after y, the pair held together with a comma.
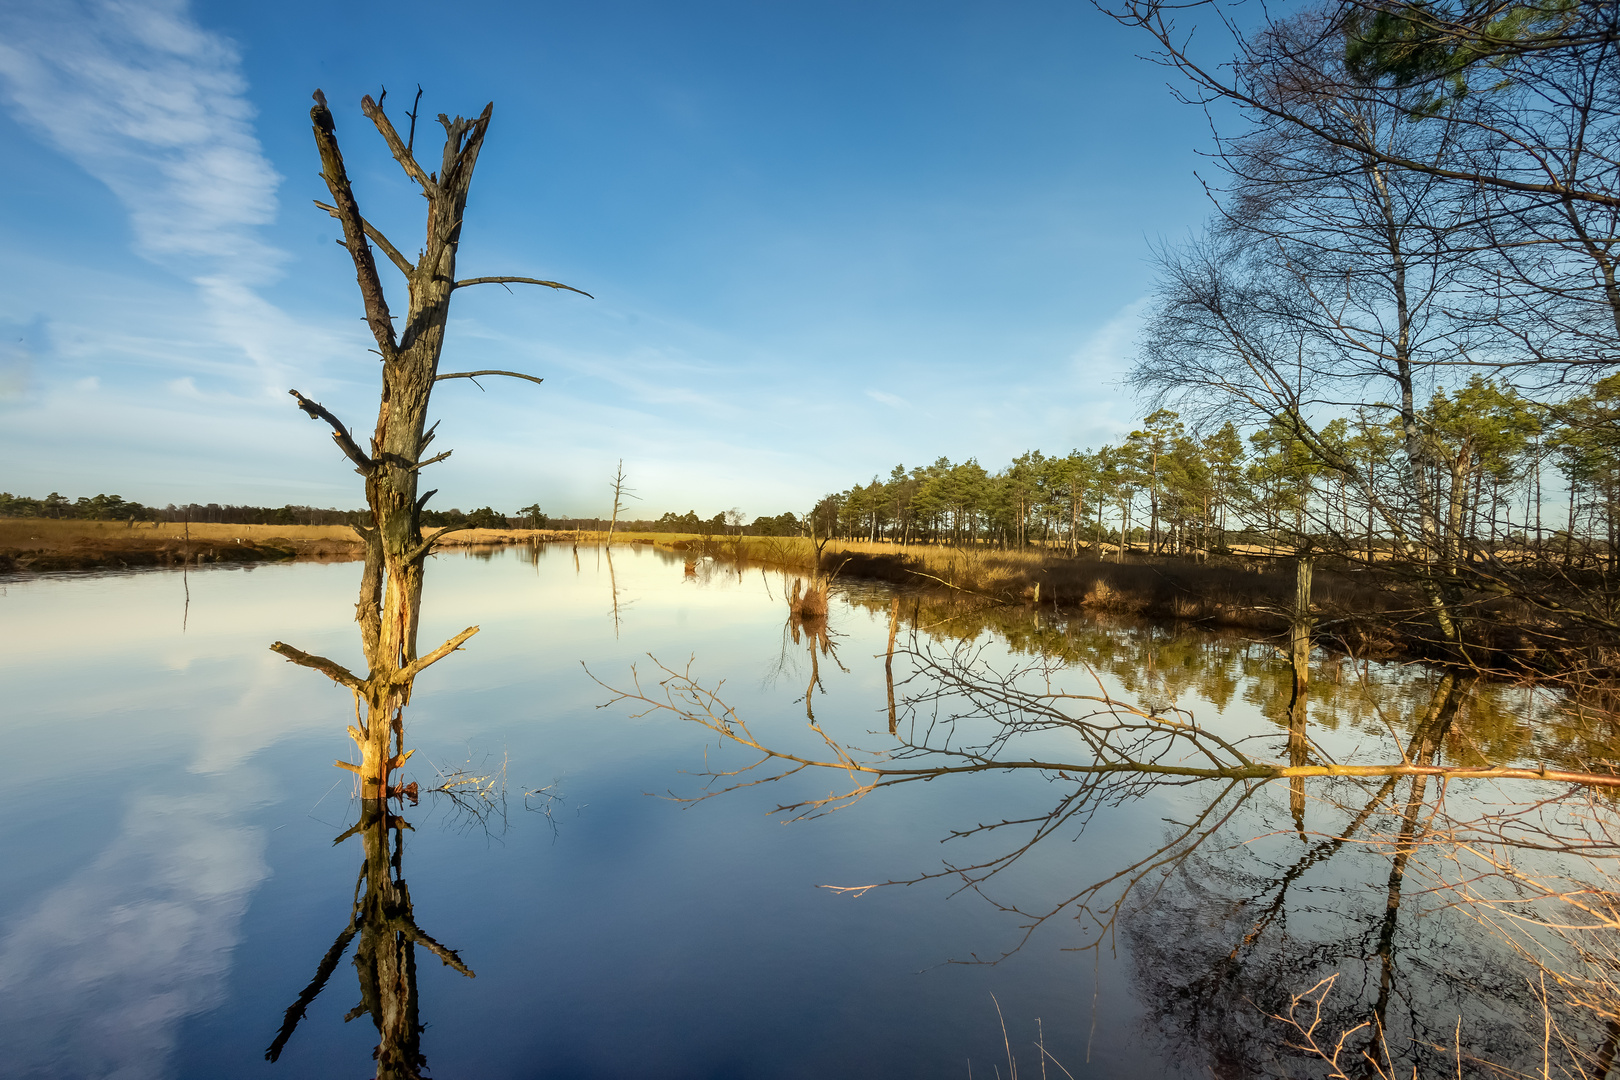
x: 384, y: 921
x: 160, y: 927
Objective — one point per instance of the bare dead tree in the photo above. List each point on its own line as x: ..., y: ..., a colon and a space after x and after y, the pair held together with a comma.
x: 391, y: 583
x: 620, y: 493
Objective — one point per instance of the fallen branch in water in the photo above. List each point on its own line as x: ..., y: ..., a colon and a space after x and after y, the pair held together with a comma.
x: 1127, y: 742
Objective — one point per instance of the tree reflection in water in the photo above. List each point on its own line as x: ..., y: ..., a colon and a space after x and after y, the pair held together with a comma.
x: 385, y: 958
x: 812, y: 633
x: 1224, y: 942
x: 1387, y: 910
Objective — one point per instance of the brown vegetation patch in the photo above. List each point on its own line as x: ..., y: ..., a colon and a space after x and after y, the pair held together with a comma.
x: 49, y: 545
x: 811, y: 603
x: 1363, y: 613
x: 43, y: 544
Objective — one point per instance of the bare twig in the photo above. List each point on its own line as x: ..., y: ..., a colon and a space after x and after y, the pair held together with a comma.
x: 520, y: 281
x: 430, y: 461
x: 475, y: 374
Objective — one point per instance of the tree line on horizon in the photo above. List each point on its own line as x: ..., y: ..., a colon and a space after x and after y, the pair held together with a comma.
x: 1394, y: 343
x: 105, y: 507
x: 1168, y: 489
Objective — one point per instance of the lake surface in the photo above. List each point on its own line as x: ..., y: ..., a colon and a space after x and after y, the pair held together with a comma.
x: 173, y: 884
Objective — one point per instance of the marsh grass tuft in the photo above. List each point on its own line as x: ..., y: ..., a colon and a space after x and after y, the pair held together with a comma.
x: 809, y: 603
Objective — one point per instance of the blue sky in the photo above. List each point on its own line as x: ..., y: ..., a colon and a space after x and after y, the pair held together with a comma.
x: 823, y: 239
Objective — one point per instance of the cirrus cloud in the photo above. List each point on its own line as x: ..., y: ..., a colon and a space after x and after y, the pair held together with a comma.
x: 154, y: 107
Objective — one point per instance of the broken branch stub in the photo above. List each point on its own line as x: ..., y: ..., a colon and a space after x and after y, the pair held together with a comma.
x: 340, y: 434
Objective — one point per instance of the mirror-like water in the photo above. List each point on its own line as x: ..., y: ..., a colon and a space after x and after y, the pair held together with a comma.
x: 173, y: 882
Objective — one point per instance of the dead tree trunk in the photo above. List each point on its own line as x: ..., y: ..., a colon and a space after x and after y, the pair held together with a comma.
x: 620, y: 493
x: 391, y: 584
x: 1299, y: 627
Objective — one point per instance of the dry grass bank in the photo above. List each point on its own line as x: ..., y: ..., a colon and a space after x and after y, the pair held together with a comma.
x: 44, y: 544
x: 782, y: 549
x: 1364, y: 613
x: 49, y: 544
x: 1229, y: 594
x: 497, y: 537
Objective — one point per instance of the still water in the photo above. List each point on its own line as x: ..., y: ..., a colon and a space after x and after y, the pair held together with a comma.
x: 172, y: 882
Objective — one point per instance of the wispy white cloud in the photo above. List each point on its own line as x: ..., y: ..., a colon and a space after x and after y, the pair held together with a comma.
x: 1108, y: 348
x: 154, y: 107
x: 16, y: 363
x: 892, y: 400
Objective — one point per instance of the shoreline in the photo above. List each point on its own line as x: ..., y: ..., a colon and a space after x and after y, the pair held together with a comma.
x: 35, y: 545
x: 1359, y: 614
